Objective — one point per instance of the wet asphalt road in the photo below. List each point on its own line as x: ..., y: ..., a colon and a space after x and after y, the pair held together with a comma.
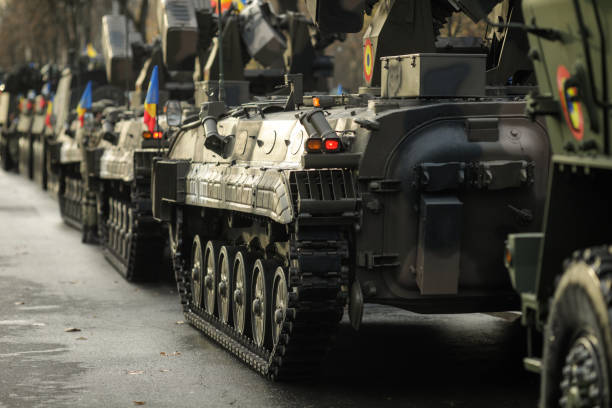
x: 132, y: 347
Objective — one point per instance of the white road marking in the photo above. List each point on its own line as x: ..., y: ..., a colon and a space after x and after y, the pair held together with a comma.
x: 20, y: 323
x: 19, y: 353
x: 43, y: 307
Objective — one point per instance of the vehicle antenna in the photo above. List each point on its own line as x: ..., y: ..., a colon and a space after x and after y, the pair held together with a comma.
x: 127, y: 80
x: 221, y: 94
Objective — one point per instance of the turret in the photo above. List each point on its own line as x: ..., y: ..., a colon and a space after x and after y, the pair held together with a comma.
x: 400, y: 27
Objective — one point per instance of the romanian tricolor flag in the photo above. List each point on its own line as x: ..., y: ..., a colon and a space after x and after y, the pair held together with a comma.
x: 84, y: 104
x: 225, y: 4
x: 49, y: 112
x: 150, y: 105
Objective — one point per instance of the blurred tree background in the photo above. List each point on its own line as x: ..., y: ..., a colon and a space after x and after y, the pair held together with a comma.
x: 44, y: 31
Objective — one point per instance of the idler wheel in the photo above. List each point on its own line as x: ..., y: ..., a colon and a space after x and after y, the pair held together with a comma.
x: 280, y: 300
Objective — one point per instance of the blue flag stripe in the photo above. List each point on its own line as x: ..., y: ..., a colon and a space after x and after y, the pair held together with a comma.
x: 153, y: 91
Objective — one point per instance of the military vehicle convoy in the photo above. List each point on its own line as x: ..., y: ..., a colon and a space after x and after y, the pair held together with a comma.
x: 563, y: 271
x: 13, y: 107
x: 281, y: 210
x: 189, y: 48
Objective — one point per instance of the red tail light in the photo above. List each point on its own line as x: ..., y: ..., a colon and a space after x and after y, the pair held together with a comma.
x: 332, y: 145
x: 158, y: 135
x: 329, y: 145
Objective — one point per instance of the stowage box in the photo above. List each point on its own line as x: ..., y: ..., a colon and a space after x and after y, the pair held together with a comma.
x: 433, y: 75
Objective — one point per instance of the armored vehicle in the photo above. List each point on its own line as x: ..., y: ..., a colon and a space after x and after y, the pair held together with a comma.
x: 65, y: 150
x: 24, y: 127
x: 70, y: 86
x: 41, y: 129
x: 8, y: 112
x: 44, y: 121
x: 17, y: 86
x: 281, y: 210
x: 562, y: 270
x: 133, y: 241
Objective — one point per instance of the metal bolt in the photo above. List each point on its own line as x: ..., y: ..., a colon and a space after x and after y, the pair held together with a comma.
x: 238, y: 297
x: 223, y: 288
x: 208, y: 281
x: 257, y: 309
x: 279, y: 315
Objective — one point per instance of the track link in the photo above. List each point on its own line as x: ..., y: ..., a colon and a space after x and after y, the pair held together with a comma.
x: 133, y: 240
x: 71, y: 198
x: 317, y: 277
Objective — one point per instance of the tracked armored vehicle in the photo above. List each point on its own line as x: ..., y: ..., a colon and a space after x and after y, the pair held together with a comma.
x: 42, y: 126
x: 133, y: 242
x: 13, y: 107
x: 24, y: 127
x: 280, y: 211
x: 563, y: 270
x: 66, y: 150
x: 70, y: 87
x: 8, y: 112
x: 117, y: 166
x: 41, y: 129
x: 189, y: 48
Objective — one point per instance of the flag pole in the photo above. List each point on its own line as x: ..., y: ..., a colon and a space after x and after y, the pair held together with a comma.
x: 221, y: 94
x: 127, y: 79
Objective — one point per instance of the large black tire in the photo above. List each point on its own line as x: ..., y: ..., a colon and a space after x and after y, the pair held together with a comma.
x: 578, y: 337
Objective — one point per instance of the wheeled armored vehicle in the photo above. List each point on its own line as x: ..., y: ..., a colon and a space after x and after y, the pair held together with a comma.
x: 563, y: 270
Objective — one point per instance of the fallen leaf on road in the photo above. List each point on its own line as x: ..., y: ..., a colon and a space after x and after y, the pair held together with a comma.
x: 81, y: 338
x: 19, y: 303
x: 71, y: 330
x: 139, y: 402
x: 176, y: 353
x: 180, y: 322
x: 135, y: 372
x: 164, y: 371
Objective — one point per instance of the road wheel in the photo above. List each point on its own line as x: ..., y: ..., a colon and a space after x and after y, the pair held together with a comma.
x: 578, y: 336
x: 211, y: 256
x: 241, y: 291
x: 224, y: 281
x: 280, y: 300
x: 261, y: 303
x: 197, y: 271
